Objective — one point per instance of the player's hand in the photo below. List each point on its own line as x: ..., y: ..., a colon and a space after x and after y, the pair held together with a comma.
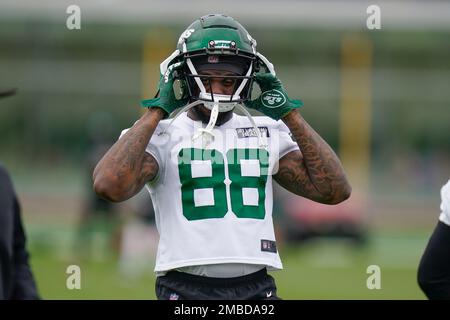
x: 273, y: 101
x: 167, y: 99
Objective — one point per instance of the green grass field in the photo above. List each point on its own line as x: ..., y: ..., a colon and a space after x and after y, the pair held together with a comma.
x: 321, y: 269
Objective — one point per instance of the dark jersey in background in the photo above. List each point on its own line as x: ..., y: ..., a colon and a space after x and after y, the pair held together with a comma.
x: 16, y: 278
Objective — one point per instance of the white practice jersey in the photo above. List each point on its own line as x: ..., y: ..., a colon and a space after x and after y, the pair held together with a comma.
x: 445, y: 204
x: 213, y: 203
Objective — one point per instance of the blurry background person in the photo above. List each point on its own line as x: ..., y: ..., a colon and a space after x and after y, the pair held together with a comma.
x: 16, y: 278
x: 434, y: 268
x: 99, y: 230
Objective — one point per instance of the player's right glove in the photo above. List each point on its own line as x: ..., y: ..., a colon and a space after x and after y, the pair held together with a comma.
x: 166, y: 99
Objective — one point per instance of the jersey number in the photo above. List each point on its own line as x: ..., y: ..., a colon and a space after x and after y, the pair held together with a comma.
x: 203, y: 189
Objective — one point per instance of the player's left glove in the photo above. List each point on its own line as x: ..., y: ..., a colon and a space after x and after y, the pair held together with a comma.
x: 273, y: 101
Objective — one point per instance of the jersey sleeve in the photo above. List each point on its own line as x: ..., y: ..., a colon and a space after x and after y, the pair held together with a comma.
x: 445, y: 204
x: 286, y: 143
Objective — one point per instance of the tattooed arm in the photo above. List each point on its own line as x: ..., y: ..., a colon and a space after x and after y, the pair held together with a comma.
x: 314, y: 173
x: 126, y: 167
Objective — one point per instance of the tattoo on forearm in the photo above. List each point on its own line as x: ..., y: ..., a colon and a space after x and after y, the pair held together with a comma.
x: 127, y: 160
x: 130, y: 154
x: 317, y: 172
x: 293, y: 176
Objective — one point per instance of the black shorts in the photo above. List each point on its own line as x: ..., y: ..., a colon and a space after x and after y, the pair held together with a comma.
x: 434, y: 268
x: 183, y: 286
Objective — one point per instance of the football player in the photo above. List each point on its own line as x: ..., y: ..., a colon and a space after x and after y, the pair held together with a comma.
x: 434, y: 267
x: 209, y: 171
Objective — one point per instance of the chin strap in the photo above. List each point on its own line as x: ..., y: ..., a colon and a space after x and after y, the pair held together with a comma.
x: 207, y: 132
x: 185, y: 108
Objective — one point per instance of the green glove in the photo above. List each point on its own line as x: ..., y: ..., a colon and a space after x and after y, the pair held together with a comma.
x: 273, y: 101
x: 166, y: 99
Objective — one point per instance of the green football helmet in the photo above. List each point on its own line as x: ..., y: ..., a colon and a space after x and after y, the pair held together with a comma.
x: 217, y: 41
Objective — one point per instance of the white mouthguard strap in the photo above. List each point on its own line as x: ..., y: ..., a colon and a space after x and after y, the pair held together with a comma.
x: 206, y: 133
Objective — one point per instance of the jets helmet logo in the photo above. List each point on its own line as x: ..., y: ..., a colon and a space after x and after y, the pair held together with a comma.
x: 186, y: 34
